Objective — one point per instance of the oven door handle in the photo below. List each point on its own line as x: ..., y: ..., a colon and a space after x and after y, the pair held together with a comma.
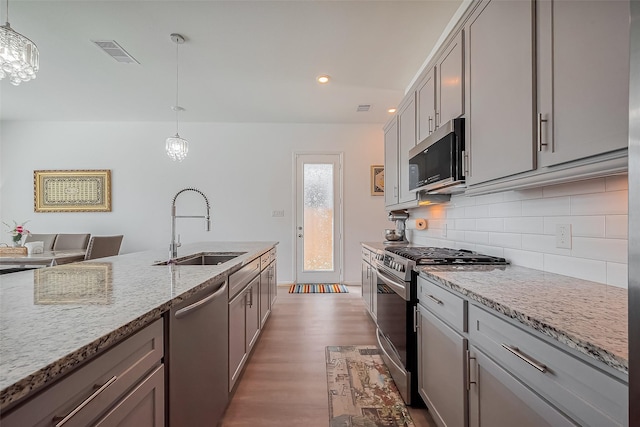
x: 398, y: 287
x: 398, y: 367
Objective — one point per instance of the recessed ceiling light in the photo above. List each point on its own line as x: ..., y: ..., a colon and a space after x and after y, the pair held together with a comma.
x: 391, y: 110
x: 323, y: 79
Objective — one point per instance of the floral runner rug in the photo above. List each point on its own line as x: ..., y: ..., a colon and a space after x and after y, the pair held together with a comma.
x: 361, y: 390
x: 318, y: 288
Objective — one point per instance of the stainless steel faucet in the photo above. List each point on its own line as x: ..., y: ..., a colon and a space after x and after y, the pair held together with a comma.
x: 173, y: 247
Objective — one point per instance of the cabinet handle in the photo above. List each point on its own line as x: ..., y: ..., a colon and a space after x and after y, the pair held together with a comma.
x: 63, y: 420
x: 395, y: 191
x: 415, y: 319
x: 437, y: 120
x: 468, y: 357
x: 465, y: 166
x: 436, y: 300
x: 430, y: 120
x: 540, y: 122
x: 516, y: 351
x: 251, y: 297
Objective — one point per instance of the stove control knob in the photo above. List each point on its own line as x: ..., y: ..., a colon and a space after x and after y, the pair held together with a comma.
x: 393, y: 265
x: 401, y: 267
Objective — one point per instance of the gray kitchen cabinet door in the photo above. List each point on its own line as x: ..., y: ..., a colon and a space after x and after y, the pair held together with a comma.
x: 441, y: 370
x: 265, y: 289
x: 450, y: 102
x: 142, y: 407
x: 391, y: 163
x: 253, y: 313
x: 273, y: 293
x: 406, y: 141
x: 366, y: 285
x: 583, y: 79
x: 496, y: 399
x: 426, y: 105
x: 499, y: 90
x: 237, y: 336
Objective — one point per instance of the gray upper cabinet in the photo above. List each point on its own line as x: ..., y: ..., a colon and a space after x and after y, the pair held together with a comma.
x: 426, y: 105
x: 391, y: 163
x: 583, y: 79
x: 406, y: 141
x: 449, y: 99
x: 499, y: 90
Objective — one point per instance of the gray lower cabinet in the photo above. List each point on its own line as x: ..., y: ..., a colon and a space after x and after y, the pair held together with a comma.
x: 123, y: 386
x: 265, y: 301
x: 252, y: 312
x: 237, y: 337
x: 497, y: 399
x: 273, y: 282
x: 442, y: 371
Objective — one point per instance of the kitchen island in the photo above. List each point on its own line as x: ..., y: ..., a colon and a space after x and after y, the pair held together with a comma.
x: 53, y: 320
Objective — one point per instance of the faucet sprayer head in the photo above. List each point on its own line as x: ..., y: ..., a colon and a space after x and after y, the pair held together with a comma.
x: 207, y: 224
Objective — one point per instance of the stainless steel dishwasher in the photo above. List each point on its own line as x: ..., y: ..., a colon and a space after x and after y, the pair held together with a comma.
x: 199, y: 358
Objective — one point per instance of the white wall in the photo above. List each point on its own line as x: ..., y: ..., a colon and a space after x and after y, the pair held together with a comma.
x: 246, y: 170
x: 521, y: 226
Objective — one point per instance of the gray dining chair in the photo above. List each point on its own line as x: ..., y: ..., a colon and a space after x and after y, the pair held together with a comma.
x: 71, y: 241
x: 46, y: 239
x: 103, y: 246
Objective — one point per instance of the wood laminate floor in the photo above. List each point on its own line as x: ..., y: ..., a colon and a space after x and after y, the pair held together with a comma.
x: 284, y: 383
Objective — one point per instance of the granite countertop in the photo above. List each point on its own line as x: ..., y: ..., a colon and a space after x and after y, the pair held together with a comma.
x: 53, y: 319
x: 587, y: 316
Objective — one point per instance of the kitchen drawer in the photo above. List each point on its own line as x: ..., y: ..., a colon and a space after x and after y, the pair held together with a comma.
x: 443, y: 303
x: 242, y: 277
x: 95, y: 387
x: 582, y: 391
x: 266, y: 258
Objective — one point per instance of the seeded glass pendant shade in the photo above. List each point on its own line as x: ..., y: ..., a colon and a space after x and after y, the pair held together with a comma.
x: 18, y: 55
x: 176, y: 146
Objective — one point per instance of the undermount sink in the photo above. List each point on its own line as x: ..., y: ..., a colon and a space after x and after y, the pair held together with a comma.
x: 205, y: 258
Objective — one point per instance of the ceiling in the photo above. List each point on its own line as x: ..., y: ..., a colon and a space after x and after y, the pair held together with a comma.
x: 243, y: 61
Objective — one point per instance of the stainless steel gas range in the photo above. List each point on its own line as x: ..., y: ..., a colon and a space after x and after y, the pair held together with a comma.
x: 396, y: 306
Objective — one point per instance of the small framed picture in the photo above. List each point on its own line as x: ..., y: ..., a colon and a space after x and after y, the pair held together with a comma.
x: 377, y: 180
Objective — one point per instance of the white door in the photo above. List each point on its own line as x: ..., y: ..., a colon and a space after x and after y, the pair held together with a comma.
x: 318, y: 218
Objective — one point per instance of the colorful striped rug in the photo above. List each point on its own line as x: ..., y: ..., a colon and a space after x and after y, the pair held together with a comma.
x: 318, y: 288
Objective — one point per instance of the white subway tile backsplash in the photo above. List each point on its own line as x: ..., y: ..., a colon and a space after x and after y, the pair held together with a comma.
x: 553, y: 206
x: 481, y: 237
x: 614, y: 250
x: 581, y: 268
x: 583, y: 226
x: 455, y: 212
x: 489, y: 199
x: 525, y: 258
x: 618, y: 274
x: 521, y: 226
x: 490, y: 224
x: 529, y: 225
x: 507, y: 209
x: 531, y: 193
x: 617, y: 182
x: 610, y: 203
x: 465, y: 224
x: 481, y: 211
x: 542, y: 243
x: 617, y: 226
x: 506, y: 240
x: 579, y: 187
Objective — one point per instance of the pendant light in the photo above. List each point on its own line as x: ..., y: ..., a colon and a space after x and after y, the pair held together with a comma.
x: 176, y: 146
x: 18, y: 55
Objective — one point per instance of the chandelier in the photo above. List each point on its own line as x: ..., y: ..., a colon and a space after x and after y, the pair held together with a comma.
x: 18, y: 55
x: 176, y: 146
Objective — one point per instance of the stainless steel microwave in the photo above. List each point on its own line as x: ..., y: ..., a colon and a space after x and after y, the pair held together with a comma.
x: 436, y: 165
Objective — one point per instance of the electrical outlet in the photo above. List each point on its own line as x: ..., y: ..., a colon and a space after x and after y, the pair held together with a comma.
x: 444, y: 229
x: 279, y: 213
x: 563, y: 236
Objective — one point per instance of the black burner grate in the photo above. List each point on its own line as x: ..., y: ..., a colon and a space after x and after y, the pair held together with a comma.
x: 444, y: 256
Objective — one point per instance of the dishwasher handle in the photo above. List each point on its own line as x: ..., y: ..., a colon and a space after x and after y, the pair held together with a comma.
x: 185, y: 311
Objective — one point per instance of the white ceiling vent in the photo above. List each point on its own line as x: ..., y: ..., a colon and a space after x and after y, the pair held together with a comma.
x: 363, y: 108
x: 114, y: 50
